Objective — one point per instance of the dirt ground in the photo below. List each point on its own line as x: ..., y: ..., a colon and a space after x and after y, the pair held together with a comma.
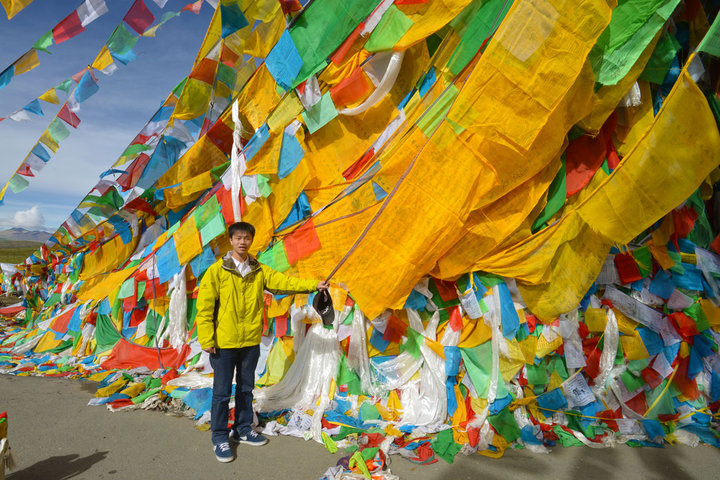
x: 54, y: 435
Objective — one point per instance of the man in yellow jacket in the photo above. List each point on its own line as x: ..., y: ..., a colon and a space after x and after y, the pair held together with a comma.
x: 229, y: 326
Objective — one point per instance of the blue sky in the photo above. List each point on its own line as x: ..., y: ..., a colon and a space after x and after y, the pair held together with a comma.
x: 109, y: 120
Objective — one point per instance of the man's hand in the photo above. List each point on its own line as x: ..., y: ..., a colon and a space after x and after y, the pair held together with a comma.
x: 210, y: 350
x: 323, y: 286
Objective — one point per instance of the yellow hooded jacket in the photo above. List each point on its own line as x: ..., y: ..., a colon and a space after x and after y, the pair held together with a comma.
x: 230, y: 306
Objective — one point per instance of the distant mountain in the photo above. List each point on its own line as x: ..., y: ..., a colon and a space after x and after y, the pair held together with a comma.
x: 25, y: 235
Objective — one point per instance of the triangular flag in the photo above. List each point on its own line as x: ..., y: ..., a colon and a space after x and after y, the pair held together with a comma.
x: 25, y: 170
x: 19, y: 116
x: 44, y: 42
x: 34, y: 107
x: 13, y: 7
x: 50, y: 97
x: 193, y: 7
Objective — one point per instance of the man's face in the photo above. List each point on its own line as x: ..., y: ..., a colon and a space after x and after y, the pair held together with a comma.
x: 241, y: 242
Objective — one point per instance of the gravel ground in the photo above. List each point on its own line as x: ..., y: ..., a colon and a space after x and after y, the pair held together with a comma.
x: 55, y: 435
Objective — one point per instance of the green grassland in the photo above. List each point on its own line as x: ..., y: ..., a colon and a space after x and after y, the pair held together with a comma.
x: 16, y: 251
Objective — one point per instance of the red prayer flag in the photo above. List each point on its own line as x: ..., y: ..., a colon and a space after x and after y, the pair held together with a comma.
x: 281, y: 325
x: 394, y: 330
x: 446, y: 290
x: 205, y: 71
x: 627, y: 268
x: 25, y: 170
x: 455, y: 321
x: 351, y: 89
x: 715, y: 245
x: 67, y: 28
x: 221, y: 135
x: 136, y: 168
x: 684, y: 221
x: 193, y: 7
x: 60, y: 324
x: 67, y: 116
x: 290, y: 6
x: 638, y: 403
x: 139, y: 17
x: 651, y: 377
x: 301, y: 243
x: 585, y: 154
x: 354, y: 170
x: 126, y: 355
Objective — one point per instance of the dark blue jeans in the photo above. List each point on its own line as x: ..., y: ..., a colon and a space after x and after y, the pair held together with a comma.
x: 240, y: 363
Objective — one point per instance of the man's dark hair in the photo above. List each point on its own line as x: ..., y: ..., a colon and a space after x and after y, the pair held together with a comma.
x: 241, y: 227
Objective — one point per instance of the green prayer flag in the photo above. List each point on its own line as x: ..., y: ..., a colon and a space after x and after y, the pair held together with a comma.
x: 485, y: 21
x: 329, y: 443
x: 65, y: 85
x: 264, y: 185
x: 122, y: 40
x: 213, y: 229
x: 711, y: 41
x: 664, y: 406
x: 391, y: 28
x: 661, y: 59
x: 368, y: 411
x: 444, y: 445
x: 322, y: 27
x: 135, y: 149
x: 436, y: 113
x: 631, y: 382
x: 567, y: 439
x: 557, y: 193
x: 478, y: 363
x: 643, y: 258
x: 127, y: 289
x: 44, y: 42
x: 106, y: 334
x: 413, y: 342
x: 320, y: 114
x: 504, y: 423
x: 18, y: 183
x: 275, y: 257
x: 58, y: 131
x: 206, y: 212
x: 537, y: 374
x: 632, y: 27
x: 696, y: 313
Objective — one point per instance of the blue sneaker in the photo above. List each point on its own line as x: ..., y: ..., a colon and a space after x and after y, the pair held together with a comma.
x: 250, y: 438
x: 223, y: 452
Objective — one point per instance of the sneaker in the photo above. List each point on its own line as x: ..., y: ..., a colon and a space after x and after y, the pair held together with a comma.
x: 223, y: 452
x: 251, y: 438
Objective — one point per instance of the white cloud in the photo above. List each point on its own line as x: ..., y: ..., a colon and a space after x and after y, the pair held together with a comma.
x: 31, y: 219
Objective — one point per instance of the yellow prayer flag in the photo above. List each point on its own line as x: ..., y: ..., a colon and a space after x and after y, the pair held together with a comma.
x: 103, y: 59
x: 13, y: 7
x: 50, y: 96
x: 187, y: 241
x: 27, y: 62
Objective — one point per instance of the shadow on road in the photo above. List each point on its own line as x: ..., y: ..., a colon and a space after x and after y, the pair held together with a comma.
x: 58, y: 468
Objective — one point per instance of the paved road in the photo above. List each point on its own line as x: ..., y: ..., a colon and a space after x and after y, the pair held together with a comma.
x: 55, y: 435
